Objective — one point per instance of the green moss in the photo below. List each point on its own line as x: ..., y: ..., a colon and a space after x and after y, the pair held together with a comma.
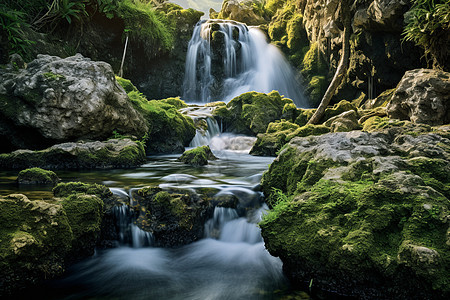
x: 177, y: 102
x: 304, y: 116
x: 280, y: 133
x: 63, y: 190
x: 85, y: 214
x: 357, y: 228
x: 250, y: 113
x: 170, y: 131
x: 126, y: 84
x: 198, y: 156
x: 145, y: 25
x: 338, y: 109
x: 316, y: 89
x: 434, y: 172
x: 35, y: 236
x: 37, y: 176
x: 312, y: 62
x: 53, y: 76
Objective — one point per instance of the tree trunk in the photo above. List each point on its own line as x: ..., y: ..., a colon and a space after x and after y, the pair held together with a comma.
x: 342, y: 67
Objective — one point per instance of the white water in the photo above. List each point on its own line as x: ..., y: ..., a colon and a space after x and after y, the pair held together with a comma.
x: 245, y: 63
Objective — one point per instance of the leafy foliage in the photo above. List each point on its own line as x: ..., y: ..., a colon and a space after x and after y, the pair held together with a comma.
x: 428, y: 26
x: 12, y: 23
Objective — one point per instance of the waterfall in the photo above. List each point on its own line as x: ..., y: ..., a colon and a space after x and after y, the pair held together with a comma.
x: 227, y: 58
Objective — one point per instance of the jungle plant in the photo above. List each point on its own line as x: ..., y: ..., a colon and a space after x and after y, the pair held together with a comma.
x: 12, y: 23
x: 63, y: 10
x: 428, y: 26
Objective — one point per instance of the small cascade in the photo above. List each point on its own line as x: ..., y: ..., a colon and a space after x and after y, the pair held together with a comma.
x: 222, y: 215
x: 227, y: 58
x: 207, y: 126
x: 203, y: 137
x: 129, y: 233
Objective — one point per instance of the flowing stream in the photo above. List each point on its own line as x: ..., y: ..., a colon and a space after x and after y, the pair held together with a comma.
x: 227, y: 58
x: 230, y: 262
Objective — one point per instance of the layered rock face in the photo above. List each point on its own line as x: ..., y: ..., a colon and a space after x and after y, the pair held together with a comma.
x: 57, y: 100
x: 422, y: 96
x: 366, y: 213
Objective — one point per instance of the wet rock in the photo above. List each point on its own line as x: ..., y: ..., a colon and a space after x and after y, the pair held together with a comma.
x: 57, y: 100
x: 198, y: 156
x: 35, y: 237
x: 114, y: 153
x: 174, y: 218
x: 37, y: 176
x: 370, y: 211
x: 422, y: 96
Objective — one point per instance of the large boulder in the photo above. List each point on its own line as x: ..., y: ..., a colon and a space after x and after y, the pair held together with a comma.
x: 57, y: 100
x: 364, y: 214
x: 37, y: 176
x: 422, y: 96
x: 114, y: 153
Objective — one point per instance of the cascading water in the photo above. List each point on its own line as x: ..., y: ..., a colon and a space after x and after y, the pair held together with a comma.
x: 227, y: 58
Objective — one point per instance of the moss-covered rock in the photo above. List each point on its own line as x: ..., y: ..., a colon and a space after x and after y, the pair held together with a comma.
x: 251, y: 113
x: 170, y: 131
x: 35, y: 236
x: 85, y: 215
x: 347, y: 121
x: 175, y: 218
x: 362, y: 213
x: 280, y: 133
x: 37, y: 176
x: 90, y: 211
x: 338, y: 109
x: 198, y: 156
x: 114, y: 153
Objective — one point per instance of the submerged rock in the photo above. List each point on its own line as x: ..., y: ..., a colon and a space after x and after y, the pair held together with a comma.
x: 37, y: 176
x: 198, y: 156
x: 114, y: 153
x: 422, y: 96
x: 175, y: 218
x: 362, y: 214
x: 58, y: 100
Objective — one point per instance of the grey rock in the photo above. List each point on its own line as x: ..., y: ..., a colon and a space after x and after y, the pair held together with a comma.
x: 58, y: 100
x: 422, y: 96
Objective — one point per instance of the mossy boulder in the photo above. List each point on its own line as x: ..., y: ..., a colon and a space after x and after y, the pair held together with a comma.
x: 280, y: 133
x: 169, y: 130
x: 85, y: 215
x: 362, y: 214
x: 338, y: 109
x: 347, y: 121
x: 251, y: 113
x: 35, y: 237
x: 198, y: 156
x: 86, y: 205
x: 174, y: 217
x: 114, y: 153
x: 37, y: 176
